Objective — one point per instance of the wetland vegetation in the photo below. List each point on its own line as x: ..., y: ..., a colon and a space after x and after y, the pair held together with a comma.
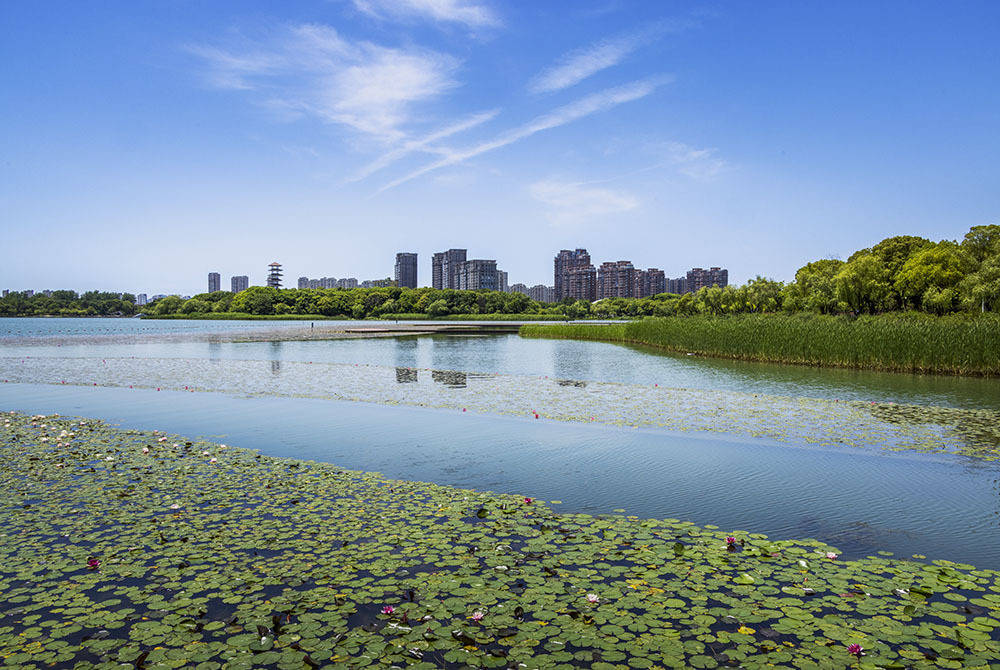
x: 139, y: 549
x: 909, y: 342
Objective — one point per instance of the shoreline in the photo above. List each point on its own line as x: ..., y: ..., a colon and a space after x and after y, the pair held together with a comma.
x: 261, y: 561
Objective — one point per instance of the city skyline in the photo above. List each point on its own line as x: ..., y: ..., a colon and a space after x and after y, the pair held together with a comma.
x: 757, y: 137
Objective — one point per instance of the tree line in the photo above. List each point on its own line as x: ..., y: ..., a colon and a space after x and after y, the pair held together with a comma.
x: 68, y: 303
x: 903, y: 273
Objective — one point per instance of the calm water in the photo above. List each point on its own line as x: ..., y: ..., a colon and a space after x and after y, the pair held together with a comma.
x: 859, y: 500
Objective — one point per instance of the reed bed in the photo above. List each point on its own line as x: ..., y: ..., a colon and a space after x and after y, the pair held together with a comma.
x: 900, y: 342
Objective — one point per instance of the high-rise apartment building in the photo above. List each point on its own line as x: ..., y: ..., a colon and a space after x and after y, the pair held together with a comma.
x: 141, y: 299
x: 677, y: 286
x: 274, y: 275
x: 542, y: 293
x: 406, y: 270
x: 698, y: 278
x: 303, y: 282
x: 239, y: 283
x: 478, y: 274
x: 581, y: 284
x: 649, y: 283
x: 501, y: 281
x: 445, y: 268
x: 214, y: 282
x: 565, y: 262
x: 616, y: 279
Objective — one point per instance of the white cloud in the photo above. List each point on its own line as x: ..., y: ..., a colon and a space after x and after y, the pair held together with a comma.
x: 424, y: 144
x: 571, y: 203
x: 310, y: 69
x: 577, y: 65
x: 580, y: 64
x: 467, y: 12
x: 696, y: 163
x: 579, y: 109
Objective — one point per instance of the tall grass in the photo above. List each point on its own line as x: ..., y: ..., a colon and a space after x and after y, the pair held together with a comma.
x: 903, y: 342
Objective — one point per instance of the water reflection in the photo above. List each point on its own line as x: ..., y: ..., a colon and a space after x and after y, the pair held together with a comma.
x: 276, y: 356
x: 406, y: 375
x: 406, y: 351
x: 450, y: 378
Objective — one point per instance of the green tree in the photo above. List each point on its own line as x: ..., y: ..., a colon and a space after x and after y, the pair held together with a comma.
x: 940, y: 266
x: 862, y: 284
x: 981, y: 242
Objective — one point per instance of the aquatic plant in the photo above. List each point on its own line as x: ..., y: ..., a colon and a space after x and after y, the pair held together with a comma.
x: 274, y: 562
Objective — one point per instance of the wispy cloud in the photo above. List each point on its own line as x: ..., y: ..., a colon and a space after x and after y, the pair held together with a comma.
x: 579, y: 109
x: 424, y: 144
x: 311, y: 70
x: 577, y: 65
x: 696, y: 163
x: 580, y: 64
x: 575, y: 203
x: 467, y: 12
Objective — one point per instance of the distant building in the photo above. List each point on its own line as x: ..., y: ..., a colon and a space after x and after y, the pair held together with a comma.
x: 48, y: 293
x: 649, y: 283
x: 518, y: 288
x: 303, y: 282
x: 565, y: 262
x: 406, y: 270
x: 581, y: 284
x: 445, y: 268
x: 478, y: 274
x: 347, y: 282
x: 616, y: 279
x: 28, y: 293
x: 239, y: 283
x: 158, y: 296
x: 542, y: 293
x: 140, y: 299
x: 501, y: 281
x: 677, y: 286
x: 214, y: 282
x: 377, y: 283
x: 274, y: 275
x: 6, y: 292
x: 698, y: 278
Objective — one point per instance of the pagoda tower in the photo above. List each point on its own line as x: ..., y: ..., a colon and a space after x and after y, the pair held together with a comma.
x: 274, y: 275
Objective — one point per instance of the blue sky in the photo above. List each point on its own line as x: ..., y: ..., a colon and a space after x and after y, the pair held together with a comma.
x: 144, y: 144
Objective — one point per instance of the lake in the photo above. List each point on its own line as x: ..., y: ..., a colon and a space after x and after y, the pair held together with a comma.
x: 788, y: 451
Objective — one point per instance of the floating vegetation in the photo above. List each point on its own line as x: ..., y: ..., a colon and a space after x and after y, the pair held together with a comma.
x: 797, y: 421
x: 136, y: 549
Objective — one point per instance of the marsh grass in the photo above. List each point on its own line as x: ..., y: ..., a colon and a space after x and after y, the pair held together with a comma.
x: 906, y: 342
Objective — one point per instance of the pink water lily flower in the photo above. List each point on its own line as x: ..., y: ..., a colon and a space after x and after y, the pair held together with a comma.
x: 528, y: 501
x: 478, y: 615
x: 593, y: 598
x: 831, y: 555
x: 730, y: 540
x: 856, y: 649
x: 388, y: 609
x: 93, y: 564
x: 162, y: 439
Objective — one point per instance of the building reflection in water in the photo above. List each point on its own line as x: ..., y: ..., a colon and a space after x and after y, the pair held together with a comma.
x: 406, y: 352
x: 406, y: 375
x: 450, y: 378
x: 214, y: 349
x: 275, y: 357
